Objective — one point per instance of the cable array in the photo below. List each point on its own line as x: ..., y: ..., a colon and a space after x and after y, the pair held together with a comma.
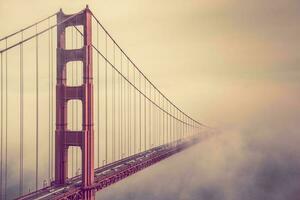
x: 131, y: 114
x: 14, y: 105
x: 146, y: 117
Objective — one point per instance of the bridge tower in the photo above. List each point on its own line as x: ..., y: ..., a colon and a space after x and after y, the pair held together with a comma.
x: 65, y: 138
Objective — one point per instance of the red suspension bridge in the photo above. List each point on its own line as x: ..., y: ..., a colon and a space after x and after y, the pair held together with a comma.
x: 94, y: 119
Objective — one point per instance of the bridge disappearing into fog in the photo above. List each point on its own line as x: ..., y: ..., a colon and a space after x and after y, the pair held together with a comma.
x: 94, y: 119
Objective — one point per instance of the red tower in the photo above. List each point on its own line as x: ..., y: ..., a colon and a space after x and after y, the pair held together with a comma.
x: 64, y: 137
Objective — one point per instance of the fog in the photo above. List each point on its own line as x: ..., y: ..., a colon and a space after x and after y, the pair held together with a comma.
x: 258, y: 159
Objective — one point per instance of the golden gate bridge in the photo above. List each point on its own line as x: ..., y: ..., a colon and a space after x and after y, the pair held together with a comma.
x: 77, y: 114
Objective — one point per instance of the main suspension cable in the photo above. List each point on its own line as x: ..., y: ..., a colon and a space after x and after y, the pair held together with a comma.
x: 128, y: 81
x: 38, y: 33
x: 141, y: 71
x: 28, y: 27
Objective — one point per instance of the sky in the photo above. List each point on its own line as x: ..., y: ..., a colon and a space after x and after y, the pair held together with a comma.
x: 241, y: 53
x: 231, y: 64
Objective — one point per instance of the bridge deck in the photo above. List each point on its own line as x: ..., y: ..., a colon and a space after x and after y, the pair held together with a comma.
x: 111, y: 173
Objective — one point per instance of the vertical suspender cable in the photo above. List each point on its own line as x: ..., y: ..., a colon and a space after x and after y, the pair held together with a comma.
x: 150, y: 142
x: 159, y: 120
x: 98, y: 99
x: 171, y: 128
x: 154, y: 118
x: 193, y: 128
x: 128, y: 111
x: 170, y: 120
x: 180, y: 126
x: 184, y: 126
x: 120, y: 117
x: 106, y: 140
x: 1, y: 123
x: 121, y: 78
x: 21, y: 117
x: 167, y: 123
x: 175, y: 130
x: 134, y: 113
x: 188, y: 128
x: 171, y: 125
x: 174, y: 124
x: 177, y: 125
x: 49, y: 105
x: 145, y: 112
x: 189, y: 133
x: 113, y: 105
x: 6, y: 117
x: 37, y: 114
x: 127, y: 114
x: 140, y: 111
x: 119, y: 120
x: 163, y: 122
x: 52, y: 96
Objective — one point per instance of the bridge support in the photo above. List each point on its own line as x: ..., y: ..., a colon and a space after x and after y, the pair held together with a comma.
x: 64, y: 137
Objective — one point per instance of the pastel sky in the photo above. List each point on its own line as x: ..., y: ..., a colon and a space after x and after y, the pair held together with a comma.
x: 212, y: 58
